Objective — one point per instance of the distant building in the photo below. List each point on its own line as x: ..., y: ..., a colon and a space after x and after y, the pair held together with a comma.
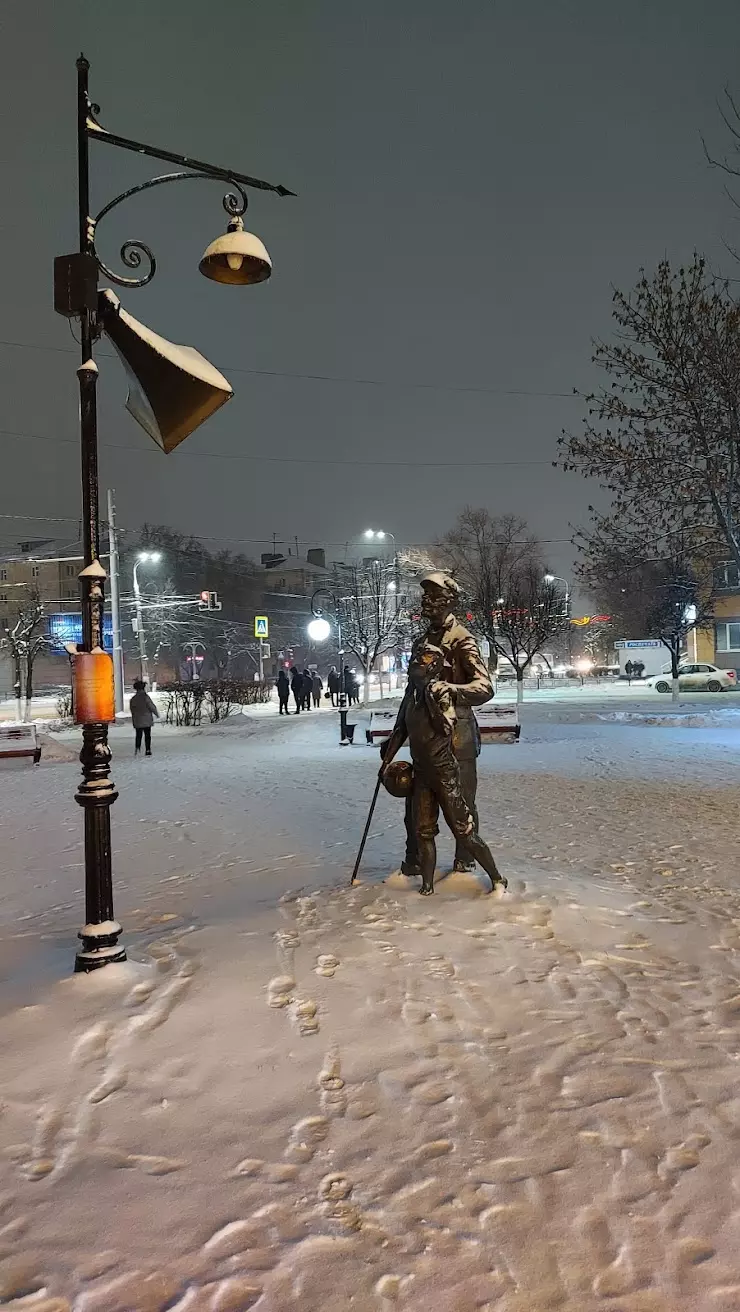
x: 292, y: 575
x: 288, y: 584
x: 49, y: 571
x: 45, y: 570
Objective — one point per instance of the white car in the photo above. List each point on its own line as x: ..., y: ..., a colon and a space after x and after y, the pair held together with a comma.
x: 706, y: 678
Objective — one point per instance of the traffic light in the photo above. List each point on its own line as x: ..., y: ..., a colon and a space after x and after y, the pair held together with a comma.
x: 209, y: 601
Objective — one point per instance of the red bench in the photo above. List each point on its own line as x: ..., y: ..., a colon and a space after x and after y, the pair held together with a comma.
x: 20, y: 740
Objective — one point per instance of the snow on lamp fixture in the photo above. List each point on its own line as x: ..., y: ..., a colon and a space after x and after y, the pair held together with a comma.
x: 238, y: 257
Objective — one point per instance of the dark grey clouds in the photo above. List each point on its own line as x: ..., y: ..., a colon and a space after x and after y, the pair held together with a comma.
x: 472, y: 177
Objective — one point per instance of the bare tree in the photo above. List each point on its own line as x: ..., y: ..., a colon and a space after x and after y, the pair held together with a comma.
x: 373, y: 619
x: 230, y: 643
x: 163, y: 613
x: 498, y: 564
x: 658, y: 593
x: 729, y: 163
x: 530, y: 615
x: 24, y: 639
x: 663, y: 433
x: 596, y: 641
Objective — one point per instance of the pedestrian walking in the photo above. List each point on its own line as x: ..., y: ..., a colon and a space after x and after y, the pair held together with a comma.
x: 333, y: 680
x: 283, y: 692
x: 316, y: 691
x: 143, y: 715
x: 307, y: 689
x: 296, y: 687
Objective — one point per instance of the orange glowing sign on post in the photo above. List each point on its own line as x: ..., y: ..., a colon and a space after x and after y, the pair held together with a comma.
x: 94, y: 696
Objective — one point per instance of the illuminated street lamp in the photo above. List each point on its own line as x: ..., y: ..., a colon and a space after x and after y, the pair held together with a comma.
x: 557, y: 578
x: 319, y: 630
x: 172, y: 389
x: 143, y: 558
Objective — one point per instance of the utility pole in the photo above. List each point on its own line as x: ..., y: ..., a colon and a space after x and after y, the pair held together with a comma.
x: 115, y: 605
x: 262, y: 663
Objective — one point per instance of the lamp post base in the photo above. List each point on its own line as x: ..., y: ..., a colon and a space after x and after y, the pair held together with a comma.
x: 96, y: 794
x: 95, y: 953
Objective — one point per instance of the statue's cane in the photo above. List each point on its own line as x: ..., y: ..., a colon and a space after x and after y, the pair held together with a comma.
x: 367, y: 830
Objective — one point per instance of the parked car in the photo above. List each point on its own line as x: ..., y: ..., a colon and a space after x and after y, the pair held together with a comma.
x: 706, y: 678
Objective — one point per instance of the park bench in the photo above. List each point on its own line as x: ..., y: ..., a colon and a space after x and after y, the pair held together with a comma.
x: 497, y: 722
x: 381, y: 725
x: 20, y: 740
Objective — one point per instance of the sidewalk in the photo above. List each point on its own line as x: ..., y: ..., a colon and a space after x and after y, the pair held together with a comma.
x: 363, y: 1102
x: 327, y: 1099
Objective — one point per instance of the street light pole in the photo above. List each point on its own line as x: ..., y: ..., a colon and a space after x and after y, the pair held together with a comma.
x: 115, y: 605
x: 557, y: 578
x: 143, y: 660
x: 237, y: 258
x: 381, y: 534
x: 144, y: 557
x: 318, y: 613
x: 96, y: 792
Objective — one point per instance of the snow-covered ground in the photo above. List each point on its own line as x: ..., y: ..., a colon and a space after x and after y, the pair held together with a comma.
x: 301, y: 1096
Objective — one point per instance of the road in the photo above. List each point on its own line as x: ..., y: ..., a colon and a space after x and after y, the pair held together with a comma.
x: 297, y: 1096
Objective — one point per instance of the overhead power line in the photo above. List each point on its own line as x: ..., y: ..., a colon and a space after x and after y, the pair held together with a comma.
x: 247, y: 542
x: 278, y: 460
x: 333, y: 378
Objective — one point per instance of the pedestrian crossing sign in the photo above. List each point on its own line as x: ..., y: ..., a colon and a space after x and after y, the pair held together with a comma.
x: 261, y: 626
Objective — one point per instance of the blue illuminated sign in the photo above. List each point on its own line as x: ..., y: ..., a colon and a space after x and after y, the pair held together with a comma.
x: 66, y: 628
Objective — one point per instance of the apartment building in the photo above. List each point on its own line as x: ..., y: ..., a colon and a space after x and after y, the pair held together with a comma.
x: 719, y: 643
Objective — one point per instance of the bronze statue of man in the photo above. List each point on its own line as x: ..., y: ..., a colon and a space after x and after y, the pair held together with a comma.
x: 447, y: 678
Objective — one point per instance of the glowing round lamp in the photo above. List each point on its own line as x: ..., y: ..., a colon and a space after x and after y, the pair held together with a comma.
x: 319, y: 630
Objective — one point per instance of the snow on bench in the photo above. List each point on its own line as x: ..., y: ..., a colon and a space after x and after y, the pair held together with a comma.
x: 498, y: 722
x: 20, y: 740
x: 381, y: 725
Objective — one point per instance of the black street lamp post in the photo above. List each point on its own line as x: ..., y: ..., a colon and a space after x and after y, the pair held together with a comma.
x: 317, y: 610
x: 238, y: 257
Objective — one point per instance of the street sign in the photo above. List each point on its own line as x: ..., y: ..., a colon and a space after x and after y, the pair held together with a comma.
x: 261, y: 626
x: 266, y: 652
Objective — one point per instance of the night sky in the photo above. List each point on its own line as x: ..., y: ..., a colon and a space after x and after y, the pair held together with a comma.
x: 472, y: 178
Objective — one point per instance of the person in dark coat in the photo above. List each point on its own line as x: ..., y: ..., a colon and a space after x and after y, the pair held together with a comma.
x: 283, y: 691
x: 333, y: 681
x: 318, y: 688
x: 307, y: 689
x: 143, y: 715
x: 296, y: 687
x: 351, y: 686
